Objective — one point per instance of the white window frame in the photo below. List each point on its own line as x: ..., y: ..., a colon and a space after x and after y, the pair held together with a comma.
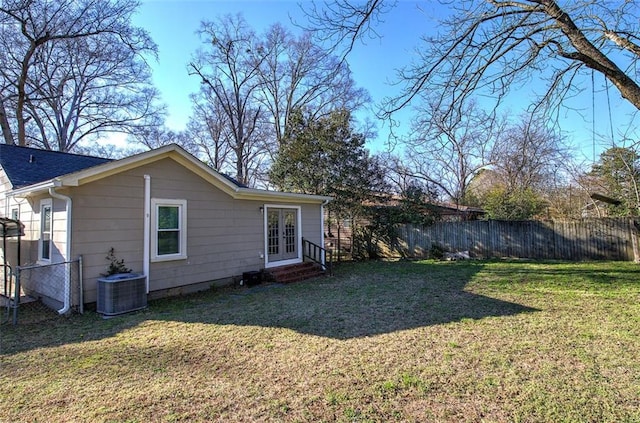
x: 45, y: 203
x: 156, y: 203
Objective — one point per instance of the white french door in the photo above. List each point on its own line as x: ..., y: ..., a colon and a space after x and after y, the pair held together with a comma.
x: 282, y: 234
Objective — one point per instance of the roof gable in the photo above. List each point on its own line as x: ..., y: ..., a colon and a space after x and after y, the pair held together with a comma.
x: 26, y: 166
x: 172, y: 151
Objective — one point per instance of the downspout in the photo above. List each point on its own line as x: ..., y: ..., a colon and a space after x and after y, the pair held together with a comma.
x: 147, y: 229
x: 324, y: 203
x: 67, y: 277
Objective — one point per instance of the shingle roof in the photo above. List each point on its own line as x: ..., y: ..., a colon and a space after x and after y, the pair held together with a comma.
x: 26, y: 166
x: 233, y: 180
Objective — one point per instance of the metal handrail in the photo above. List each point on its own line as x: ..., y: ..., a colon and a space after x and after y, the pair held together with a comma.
x: 318, y: 254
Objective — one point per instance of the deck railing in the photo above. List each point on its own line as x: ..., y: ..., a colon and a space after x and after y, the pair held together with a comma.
x: 318, y: 254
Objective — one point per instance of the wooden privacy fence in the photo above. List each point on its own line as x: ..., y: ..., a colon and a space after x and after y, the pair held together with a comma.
x: 585, y: 239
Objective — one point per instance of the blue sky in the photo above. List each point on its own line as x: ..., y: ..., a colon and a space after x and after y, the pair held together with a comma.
x: 172, y: 25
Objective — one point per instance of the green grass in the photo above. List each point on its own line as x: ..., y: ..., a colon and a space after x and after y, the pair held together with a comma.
x: 380, y: 341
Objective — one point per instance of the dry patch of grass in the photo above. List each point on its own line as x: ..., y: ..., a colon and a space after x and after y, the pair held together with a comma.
x: 380, y: 341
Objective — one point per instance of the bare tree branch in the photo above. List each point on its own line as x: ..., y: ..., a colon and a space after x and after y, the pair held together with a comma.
x: 341, y: 22
x: 491, y: 47
x: 51, y: 56
x: 257, y: 81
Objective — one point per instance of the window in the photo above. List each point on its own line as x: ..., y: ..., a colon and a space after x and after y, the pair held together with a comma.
x: 15, y: 214
x: 169, y: 238
x: 46, y: 224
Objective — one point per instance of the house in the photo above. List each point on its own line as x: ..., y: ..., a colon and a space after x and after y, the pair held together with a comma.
x: 164, y: 212
x: 450, y: 212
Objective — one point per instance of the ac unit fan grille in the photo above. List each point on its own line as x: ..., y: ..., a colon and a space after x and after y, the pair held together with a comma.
x: 121, y: 295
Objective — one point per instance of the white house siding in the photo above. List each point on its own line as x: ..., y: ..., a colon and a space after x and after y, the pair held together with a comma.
x: 5, y: 212
x: 46, y: 282
x: 28, y: 213
x: 5, y: 186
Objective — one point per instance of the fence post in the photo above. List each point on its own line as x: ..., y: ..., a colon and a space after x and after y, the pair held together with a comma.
x: 80, y: 287
x: 634, y: 240
x: 16, y: 296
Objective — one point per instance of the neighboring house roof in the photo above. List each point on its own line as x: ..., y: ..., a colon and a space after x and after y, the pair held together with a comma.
x: 449, y: 208
x: 111, y: 167
x: 393, y: 200
x: 26, y: 166
x: 605, y: 199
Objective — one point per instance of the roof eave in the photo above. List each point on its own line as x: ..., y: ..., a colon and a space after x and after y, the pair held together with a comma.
x: 34, y: 189
x: 173, y: 151
x: 259, y: 194
x: 116, y: 166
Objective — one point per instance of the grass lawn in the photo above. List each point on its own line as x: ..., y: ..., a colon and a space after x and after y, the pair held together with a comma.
x: 379, y: 341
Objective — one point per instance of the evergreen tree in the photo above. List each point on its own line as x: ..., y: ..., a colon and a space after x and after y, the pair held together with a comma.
x: 327, y: 156
x: 617, y: 175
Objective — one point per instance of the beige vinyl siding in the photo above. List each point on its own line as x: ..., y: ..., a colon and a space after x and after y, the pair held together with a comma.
x: 30, y: 217
x: 9, y: 203
x: 29, y: 209
x: 51, y: 285
x: 311, y: 218
x: 225, y: 237
x: 108, y: 213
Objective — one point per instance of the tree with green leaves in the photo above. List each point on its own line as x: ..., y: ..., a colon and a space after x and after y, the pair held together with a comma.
x: 512, y: 204
x: 327, y: 156
x: 617, y: 176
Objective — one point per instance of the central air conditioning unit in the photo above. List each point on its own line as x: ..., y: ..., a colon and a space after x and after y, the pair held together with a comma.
x: 121, y: 293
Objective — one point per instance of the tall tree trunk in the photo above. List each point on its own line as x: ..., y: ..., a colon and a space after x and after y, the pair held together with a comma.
x: 4, y: 125
x: 22, y: 93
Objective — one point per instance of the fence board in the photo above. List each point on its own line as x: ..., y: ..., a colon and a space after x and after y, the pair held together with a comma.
x: 585, y: 239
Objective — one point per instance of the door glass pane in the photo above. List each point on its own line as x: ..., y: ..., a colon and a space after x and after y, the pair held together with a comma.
x: 290, y: 232
x: 273, y: 232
